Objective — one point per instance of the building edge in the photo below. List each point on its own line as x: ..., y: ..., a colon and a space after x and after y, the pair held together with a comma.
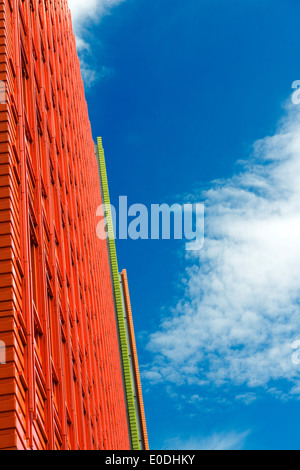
x: 135, y: 371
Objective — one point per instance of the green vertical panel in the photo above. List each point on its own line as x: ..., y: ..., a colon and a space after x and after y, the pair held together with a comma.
x: 118, y: 301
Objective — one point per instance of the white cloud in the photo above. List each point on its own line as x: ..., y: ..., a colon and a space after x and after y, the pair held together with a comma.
x: 241, y: 309
x: 246, y: 398
x: 90, y: 76
x: 84, y: 13
x: 221, y: 441
x: 90, y: 10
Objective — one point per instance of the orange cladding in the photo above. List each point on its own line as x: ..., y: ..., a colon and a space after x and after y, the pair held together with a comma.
x: 61, y: 386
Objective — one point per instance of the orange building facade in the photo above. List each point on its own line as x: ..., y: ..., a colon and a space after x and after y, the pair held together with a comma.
x: 61, y: 376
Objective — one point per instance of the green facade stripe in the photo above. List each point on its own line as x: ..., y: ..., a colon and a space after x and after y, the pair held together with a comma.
x: 118, y: 301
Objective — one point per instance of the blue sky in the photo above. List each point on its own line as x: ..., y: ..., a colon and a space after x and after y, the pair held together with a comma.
x: 193, y: 101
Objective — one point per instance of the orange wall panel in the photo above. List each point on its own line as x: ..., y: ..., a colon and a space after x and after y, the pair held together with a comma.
x: 61, y: 386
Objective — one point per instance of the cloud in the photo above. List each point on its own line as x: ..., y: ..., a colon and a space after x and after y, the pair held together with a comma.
x: 246, y: 398
x: 87, y: 11
x: 90, y: 76
x: 241, y: 309
x: 221, y: 441
x: 84, y: 13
